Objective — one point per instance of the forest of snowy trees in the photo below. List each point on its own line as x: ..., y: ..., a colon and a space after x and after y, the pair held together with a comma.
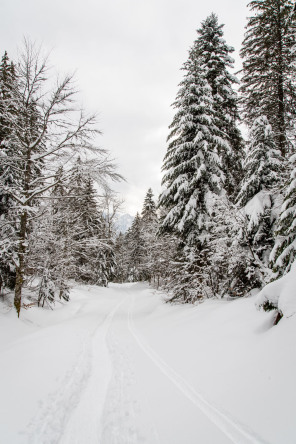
x: 225, y: 222
x: 226, y: 216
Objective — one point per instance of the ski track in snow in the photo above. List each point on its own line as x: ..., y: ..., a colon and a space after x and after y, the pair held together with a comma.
x: 124, y: 406
x: 64, y: 417
x: 120, y: 410
x: 233, y: 429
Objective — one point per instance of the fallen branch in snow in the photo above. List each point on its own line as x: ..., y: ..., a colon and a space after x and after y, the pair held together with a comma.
x: 26, y: 306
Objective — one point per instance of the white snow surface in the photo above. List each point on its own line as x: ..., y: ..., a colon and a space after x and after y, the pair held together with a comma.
x: 281, y: 293
x: 117, y: 365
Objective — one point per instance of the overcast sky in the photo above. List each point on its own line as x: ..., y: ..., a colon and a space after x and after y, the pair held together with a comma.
x: 127, y: 56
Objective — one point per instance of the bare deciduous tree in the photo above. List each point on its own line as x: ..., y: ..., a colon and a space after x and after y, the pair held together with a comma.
x: 45, y: 130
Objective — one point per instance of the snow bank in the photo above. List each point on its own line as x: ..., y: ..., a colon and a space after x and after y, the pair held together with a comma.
x: 280, y: 294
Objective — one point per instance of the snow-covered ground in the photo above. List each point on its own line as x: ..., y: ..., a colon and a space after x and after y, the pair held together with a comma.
x: 117, y: 365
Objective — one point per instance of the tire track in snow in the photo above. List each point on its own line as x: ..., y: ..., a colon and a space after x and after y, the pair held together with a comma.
x: 233, y: 429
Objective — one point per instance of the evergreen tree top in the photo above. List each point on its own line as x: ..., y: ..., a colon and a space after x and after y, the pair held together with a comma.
x: 214, y: 55
x: 7, y: 72
x: 136, y: 220
x: 214, y: 52
x: 149, y: 207
x: 135, y: 228
x: 5, y: 60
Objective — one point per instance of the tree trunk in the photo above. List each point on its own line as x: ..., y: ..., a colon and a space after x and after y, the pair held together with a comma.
x: 21, y: 265
x: 280, y: 86
x: 18, y: 290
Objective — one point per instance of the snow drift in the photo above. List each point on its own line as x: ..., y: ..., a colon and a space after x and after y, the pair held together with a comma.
x: 280, y: 294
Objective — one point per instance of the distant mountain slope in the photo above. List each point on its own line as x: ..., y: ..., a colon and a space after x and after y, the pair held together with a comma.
x: 123, y: 223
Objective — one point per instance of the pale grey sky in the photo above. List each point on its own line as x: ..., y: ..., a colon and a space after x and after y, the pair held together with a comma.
x: 127, y: 56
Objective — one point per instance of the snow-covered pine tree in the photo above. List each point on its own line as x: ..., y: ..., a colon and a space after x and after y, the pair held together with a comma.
x: 109, y: 206
x: 7, y: 81
x: 166, y: 261
x: 7, y: 177
x: 121, y: 259
x: 262, y: 164
x: 268, y: 85
x: 69, y: 238
x: 149, y: 222
x: 192, y: 167
x: 149, y: 208
x: 258, y: 198
x: 136, y: 251
x: 214, y: 54
x: 193, y: 174
x: 284, y: 251
x: 93, y: 256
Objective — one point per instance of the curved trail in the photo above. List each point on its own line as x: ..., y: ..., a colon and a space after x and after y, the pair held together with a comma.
x: 120, y: 390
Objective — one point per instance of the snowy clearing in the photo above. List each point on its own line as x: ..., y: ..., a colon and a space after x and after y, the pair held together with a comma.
x: 117, y: 365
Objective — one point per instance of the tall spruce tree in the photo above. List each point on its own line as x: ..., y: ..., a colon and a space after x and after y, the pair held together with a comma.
x: 268, y: 85
x: 193, y: 175
x: 214, y: 54
x: 192, y: 166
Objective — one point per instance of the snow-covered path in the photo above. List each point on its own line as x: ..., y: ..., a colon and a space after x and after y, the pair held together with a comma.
x: 117, y: 366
